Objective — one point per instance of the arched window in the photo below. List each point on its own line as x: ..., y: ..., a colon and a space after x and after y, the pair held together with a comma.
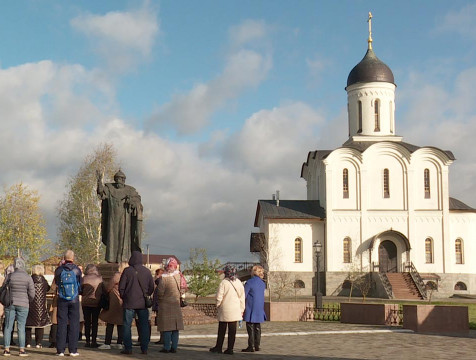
x: 459, y: 251
x: 299, y: 284
x: 377, y: 115
x: 386, y: 183
x: 431, y: 285
x: 298, y: 250
x: 345, y: 183
x: 429, y: 251
x: 426, y: 177
x: 390, y: 109
x: 360, y: 117
x: 460, y: 286
x: 347, y: 250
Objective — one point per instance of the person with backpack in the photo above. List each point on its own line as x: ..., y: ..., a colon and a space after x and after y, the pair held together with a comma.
x: 68, y: 279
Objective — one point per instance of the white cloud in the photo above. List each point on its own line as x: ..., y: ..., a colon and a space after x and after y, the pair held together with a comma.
x: 121, y: 38
x: 244, y: 69
x: 461, y: 21
x: 445, y: 117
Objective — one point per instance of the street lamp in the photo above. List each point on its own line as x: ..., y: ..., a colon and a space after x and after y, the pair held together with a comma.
x: 318, y: 298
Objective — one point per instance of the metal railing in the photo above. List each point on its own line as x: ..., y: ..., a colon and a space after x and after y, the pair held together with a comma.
x: 328, y: 312
x: 395, y: 315
x: 386, y: 285
x: 417, y: 279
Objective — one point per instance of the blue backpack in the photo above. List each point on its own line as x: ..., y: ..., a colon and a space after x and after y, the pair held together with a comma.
x: 68, y: 287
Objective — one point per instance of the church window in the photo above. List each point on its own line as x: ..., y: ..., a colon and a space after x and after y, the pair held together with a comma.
x: 460, y: 286
x: 426, y: 175
x: 459, y: 251
x: 347, y: 250
x: 298, y: 250
x: 386, y: 184
x: 377, y: 115
x: 299, y: 284
x: 429, y: 251
x: 360, y: 117
x: 345, y: 183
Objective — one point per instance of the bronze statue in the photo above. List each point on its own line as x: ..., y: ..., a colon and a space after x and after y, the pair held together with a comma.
x: 121, y: 218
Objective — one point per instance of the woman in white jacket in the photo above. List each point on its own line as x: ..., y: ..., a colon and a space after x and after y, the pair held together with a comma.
x: 230, y: 305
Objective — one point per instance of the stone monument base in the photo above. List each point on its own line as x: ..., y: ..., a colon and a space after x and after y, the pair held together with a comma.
x: 107, y: 270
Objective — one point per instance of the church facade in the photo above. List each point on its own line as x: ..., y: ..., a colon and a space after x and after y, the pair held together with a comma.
x: 376, y: 205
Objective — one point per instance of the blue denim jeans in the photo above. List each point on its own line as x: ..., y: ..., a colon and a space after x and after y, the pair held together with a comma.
x: 171, y: 337
x: 20, y: 313
x: 143, y: 328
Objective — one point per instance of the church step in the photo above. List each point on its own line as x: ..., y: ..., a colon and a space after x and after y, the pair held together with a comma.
x: 403, y: 286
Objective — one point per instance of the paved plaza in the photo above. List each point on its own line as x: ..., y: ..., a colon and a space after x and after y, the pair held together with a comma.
x: 300, y: 341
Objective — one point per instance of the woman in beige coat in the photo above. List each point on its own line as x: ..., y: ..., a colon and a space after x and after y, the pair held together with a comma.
x: 230, y: 305
x: 171, y: 286
x: 114, y: 314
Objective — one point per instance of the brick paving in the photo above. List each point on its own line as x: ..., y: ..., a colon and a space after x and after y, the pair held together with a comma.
x: 300, y: 341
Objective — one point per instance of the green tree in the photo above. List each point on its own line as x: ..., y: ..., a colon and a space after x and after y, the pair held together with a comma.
x: 22, y: 226
x: 202, y: 274
x: 80, y: 211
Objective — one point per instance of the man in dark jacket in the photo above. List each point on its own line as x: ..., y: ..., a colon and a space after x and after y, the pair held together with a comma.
x: 68, y: 305
x: 136, y: 282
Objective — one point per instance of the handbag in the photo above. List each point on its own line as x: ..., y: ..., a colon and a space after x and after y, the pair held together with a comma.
x: 147, y: 298
x: 104, y: 301
x: 183, y: 302
x: 5, y: 293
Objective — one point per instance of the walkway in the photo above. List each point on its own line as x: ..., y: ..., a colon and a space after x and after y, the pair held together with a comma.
x: 301, y: 341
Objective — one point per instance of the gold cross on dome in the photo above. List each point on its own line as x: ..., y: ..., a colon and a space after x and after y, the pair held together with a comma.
x: 370, y: 30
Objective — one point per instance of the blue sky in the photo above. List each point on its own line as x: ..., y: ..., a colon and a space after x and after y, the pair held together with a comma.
x: 213, y: 105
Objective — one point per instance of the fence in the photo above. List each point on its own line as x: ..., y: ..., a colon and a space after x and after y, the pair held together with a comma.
x: 331, y: 312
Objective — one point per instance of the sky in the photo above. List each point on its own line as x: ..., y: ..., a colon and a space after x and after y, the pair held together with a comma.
x: 212, y: 105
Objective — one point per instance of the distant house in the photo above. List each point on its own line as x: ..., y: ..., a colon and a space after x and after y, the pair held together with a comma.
x: 51, y: 264
x: 154, y: 262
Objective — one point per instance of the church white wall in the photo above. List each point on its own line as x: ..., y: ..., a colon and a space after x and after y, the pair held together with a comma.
x: 367, y: 93
x: 281, y: 237
x: 375, y: 160
x: 462, y: 226
x: 425, y: 225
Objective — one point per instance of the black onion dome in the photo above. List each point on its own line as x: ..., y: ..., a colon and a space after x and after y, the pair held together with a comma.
x: 370, y: 69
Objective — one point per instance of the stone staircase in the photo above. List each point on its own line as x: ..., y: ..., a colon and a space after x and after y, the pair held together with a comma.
x: 403, y: 286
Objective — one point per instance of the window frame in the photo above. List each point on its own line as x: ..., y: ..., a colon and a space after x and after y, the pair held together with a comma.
x: 298, y: 250
x: 359, y: 104
x: 377, y: 115
x: 459, y: 254
x: 429, y: 259
x: 426, y: 183
x: 347, y: 250
x: 345, y: 183
x: 386, y: 183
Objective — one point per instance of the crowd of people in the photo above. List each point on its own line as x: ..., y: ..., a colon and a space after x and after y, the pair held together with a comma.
x: 82, y: 299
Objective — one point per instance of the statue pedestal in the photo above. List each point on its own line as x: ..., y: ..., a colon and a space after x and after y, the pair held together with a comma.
x: 108, y: 270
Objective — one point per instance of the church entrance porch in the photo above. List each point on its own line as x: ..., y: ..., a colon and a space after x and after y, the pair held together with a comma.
x: 387, y: 257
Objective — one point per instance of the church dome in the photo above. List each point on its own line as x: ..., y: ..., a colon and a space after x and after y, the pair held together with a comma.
x: 370, y: 69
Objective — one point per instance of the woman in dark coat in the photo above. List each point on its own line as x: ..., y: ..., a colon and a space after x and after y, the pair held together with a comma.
x: 38, y: 317
x: 254, y: 309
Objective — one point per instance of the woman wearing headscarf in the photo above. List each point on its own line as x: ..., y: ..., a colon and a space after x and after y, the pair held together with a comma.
x: 38, y: 317
x: 171, y: 286
x: 230, y: 305
x: 92, y: 289
x: 254, y: 308
x: 22, y: 292
x: 113, y: 315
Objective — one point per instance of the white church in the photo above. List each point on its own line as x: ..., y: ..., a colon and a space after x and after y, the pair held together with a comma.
x: 375, y: 205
